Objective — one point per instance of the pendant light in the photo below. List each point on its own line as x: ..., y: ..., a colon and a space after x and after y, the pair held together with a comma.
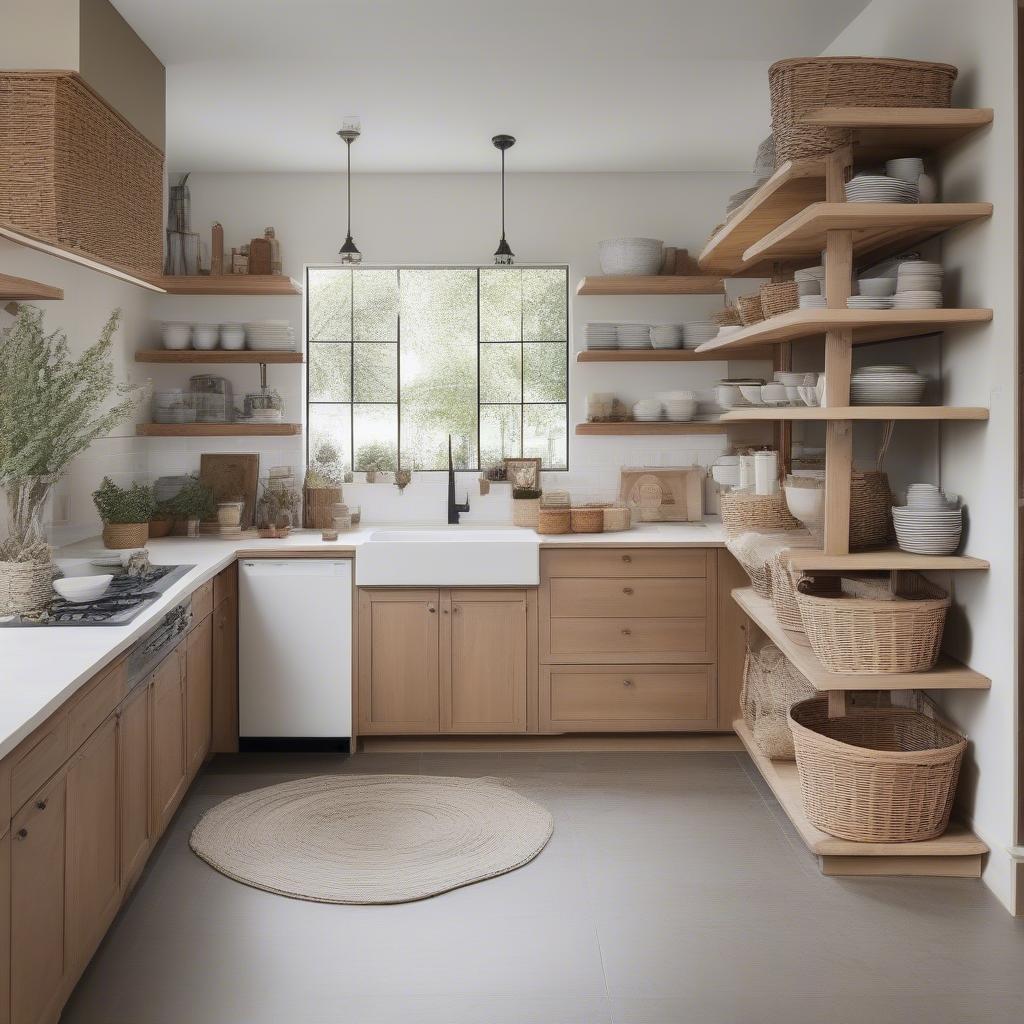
x: 350, y: 131
x: 503, y: 255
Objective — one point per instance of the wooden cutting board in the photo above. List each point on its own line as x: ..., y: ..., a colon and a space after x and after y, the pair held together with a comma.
x: 666, y: 494
x: 259, y: 256
x: 232, y: 476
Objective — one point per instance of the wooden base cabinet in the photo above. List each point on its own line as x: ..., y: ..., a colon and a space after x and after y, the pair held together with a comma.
x: 198, y: 694
x: 168, y: 763
x: 134, y: 783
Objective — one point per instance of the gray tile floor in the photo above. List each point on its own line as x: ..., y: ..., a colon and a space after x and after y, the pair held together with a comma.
x: 673, y: 891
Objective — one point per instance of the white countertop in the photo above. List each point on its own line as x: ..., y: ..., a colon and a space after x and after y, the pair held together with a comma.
x: 41, y: 667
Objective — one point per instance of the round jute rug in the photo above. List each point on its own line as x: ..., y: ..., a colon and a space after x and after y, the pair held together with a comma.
x: 371, y: 838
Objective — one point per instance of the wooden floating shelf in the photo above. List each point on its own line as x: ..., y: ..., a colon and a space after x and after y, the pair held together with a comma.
x: 888, y: 559
x: 191, y: 355
x: 230, y: 284
x: 855, y: 412
x: 672, y: 355
x: 948, y: 673
x: 867, y: 325
x: 218, y: 429
x: 958, y: 853
x: 21, y: 289
x: 878, y: 228
x: 660, y: 284
x: 659, y: 428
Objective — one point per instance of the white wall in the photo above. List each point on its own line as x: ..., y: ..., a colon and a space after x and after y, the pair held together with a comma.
x: 979, y: 365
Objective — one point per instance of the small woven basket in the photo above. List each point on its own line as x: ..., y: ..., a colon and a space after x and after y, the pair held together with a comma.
x: 589, y: 519
x: 617, y: 517
x: 870, y: 510
x: 750, y: 309
x: 553, y: 520
x: 784, y: 581
x: 526, y: 512
x: 875, y: 636
x: 876, y: 775
x: 318, y: 507
x: 742, y: 511
x: 25, y: 586
x: 125, y: 535
x: 728, y: 317
x: 779, y: 297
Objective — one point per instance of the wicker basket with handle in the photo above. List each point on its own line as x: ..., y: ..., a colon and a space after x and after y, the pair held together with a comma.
x: 771, y: 686
x: 870, y: 509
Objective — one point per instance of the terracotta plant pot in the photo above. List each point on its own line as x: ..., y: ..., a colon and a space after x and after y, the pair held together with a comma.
x: 160, y: 527
x: 125, y: 535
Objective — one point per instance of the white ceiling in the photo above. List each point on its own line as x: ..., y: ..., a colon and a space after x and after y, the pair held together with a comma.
x: 584, y: 85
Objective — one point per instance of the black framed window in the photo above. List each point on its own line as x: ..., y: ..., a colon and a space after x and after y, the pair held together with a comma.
x: 401, y: 357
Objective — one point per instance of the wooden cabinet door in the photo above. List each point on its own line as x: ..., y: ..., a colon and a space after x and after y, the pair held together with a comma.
x: 398, y: 661
x: 134, y: 782
x: 483, y: 661
x: 5, y: 928
x: 37, y: 905
x: 198, y: 669
x: 93, y: 887
x: 224, y: 681
x: 168, y: 765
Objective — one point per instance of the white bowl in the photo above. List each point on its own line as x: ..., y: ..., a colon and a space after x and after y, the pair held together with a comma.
x: 232, y: 337
x: 631, y: 256
x: 176, y: 335
x: 907, y: 168
x: 679, y: 410
x: 752, y: 393
x: 729, y: 396
x: 876, y: 286
x: 82, y: 588
x: 807, y: 504
x: 773, y: 393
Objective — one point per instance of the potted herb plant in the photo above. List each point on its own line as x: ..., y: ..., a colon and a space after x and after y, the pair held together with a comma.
x: 162, y: 522
x: 322, y: 486
x: 192, y: 503
x: 125, y: 512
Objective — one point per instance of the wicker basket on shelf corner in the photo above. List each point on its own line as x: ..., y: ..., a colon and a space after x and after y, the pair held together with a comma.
x: 526, y: 512
x: 784, y: 580
x: 588, y: 519
x: 742, y: 511
x: 876, y: 775
x: 318, y: 507
x: 778, y: 297
x: 750, y: 309
x: 551, y: 521
x: 125, y: 535
x: 727, y: 317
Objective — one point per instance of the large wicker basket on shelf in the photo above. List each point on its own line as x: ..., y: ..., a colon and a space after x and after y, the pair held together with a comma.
x: 784, y: 581
x: 742, y: 511
x: 876, y: 775
x: 801, y: 85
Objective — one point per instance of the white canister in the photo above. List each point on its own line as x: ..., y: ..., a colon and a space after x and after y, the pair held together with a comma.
x: 766, y: 472
x: 746, y: 471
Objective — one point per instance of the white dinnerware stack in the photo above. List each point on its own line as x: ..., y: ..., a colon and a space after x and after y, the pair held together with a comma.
x: 869, y: 302
x: 634, y: 335
x: 648, y: 410
x: 631, y: 256
x: 911, y: 169
x: 918, y: 285
x: 205, y: 337
x: 811, y: 301
x: 931, y: 523
x: 810, y: 287
x: 176, y: 334
x: 879, y: 188
x: 680, y: 406
x: 887, y: 385
x: 697, y: 332
x: 667, y: 335
x: 232, y: 337
x: 601, y: 335
x: 270, y: 336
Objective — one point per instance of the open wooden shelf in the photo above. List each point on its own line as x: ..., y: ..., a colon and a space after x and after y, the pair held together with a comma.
x: 887, y: 559
x: 948, y: 673
x: 660, y: 284
x: 868, y: 326
x: 671, y: 355
x: 958, y: 853
x: 758, y: 414
x: 218, y: 429
x: 193, y: 355
x: 878, y: 229
x: 660, y: 428
x: 21, y: 289
x: 230, y: 284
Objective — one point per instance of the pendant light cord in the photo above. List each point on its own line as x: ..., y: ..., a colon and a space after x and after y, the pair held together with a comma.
x: 348, y: 175
x: 503, y: 195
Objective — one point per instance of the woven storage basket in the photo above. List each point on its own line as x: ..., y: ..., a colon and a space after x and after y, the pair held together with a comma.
x: 553, y: 520
x: 728, y: 317
x: 76, y: 173
x: 588, y: 519
x: 771, y: 685
x: 125, y: 535
x: 742, y: 511
x: 870, y: 510
x: 617, y: 517
x: 318, y: 507
x: 25, y: 586
x: 803, y: 84
x: 876, y: 775
x: 526, y: 512
x: 783, y: 585
x: 160, y: 528
x: 750, y: 309
x: 869, y: 636
x: 779, y: 297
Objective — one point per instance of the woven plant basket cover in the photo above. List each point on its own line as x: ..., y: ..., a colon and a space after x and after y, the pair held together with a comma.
x: 553, y: 521
x: 855, y: 635
x: 526, y: 512
x: 800, y: 85
x: 25, y: 586
x: 372, y: 838
x: 870, y: 510
x: 318, y: 507
x: 125, y: 535
x: 771, y: 685
x: 77, y: 174
x: 779, y: 297
x: 742, y: 511
x: 750, y: 309
x: 876, y: 775
x: 783, y: 586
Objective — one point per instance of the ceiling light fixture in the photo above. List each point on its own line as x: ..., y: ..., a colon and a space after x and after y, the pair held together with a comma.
x: 350, y: 131
x: 503, y: 255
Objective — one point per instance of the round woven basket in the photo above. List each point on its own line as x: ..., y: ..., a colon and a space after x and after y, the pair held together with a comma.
x: 25, y: 586
x: 553, y: 520
x: 875, y: 775
x: 588, y: 520
x: 801, y: 85
x: 125, y: 535
x: 767, y: 513
x: 784, y: 580
x: 779, y: 297
x: 526, y: 512
x: 750, y: 309
x: 856, y: 635
x: 617, y: 517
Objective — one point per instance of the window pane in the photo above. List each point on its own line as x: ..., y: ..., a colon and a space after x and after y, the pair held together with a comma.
x: 438, y: 304
x: 330, y: 304
x: 332, y: 424
x: 544, y: 435
x: 375, y: 434
x: 500, y: 433
x: 544, y: 316
x: 330, y: 373
x: 544, y: 372
x: 501, y: 369
x: 375, y: 305
x: 500, y: 305
x: 376, y: 373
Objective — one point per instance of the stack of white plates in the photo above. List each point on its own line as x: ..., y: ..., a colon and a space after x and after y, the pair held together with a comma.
x: 928, y: 524
x: 887, y: 385
x: 647, y: 410
x: 680, y: 406
x: 877, y: 188
x: 869, y: 302
x: 697, y: 332
x: 810, y: 274
x: 918, y: 285
x: 811, y: 301
x: 270, y: 336
x: 634, y: 335
x: 601, y: 335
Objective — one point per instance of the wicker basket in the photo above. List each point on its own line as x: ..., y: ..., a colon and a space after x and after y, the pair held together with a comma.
x: 784, y: 580
x: 803, y: 84
x: 76, y: 173
x: 160, y: 528
x: 876, y: 775
x: 742, y: 511
x: 728, y: 317
x: 750, y: 309
x: 779, y: 297
x: 771, y: 686
x: 874, y: 636
x: 870, y: 510
x: 125, y: 535
x: 526, y: 512
x: 25, y: 586
x: 318, y: 507
x: 617, y: 517
x: 589, y: 519
x: 553, y: 520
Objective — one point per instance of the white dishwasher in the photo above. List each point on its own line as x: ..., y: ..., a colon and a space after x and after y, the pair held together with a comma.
x: 294, y: 654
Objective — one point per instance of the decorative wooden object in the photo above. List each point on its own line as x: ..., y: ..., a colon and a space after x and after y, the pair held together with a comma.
x: 217, y: 250
x: 232, y: 477
x: 664, y: 494
x: 259, y: 256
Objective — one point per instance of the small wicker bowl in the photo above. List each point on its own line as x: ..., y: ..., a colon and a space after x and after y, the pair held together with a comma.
x: 588, y: 519
x: 552, y: 521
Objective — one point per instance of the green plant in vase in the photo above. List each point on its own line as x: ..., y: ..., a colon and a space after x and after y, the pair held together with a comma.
x: 125, y: 511
x: 194, y: 502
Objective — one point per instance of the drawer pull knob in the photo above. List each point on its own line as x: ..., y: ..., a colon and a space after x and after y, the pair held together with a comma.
x: 628, y: 591
x: 22, y: 833
x: 627, y: 558
x: 431, y: 609
x: 41, y: 804
x: 627, y: 682
x: 627, y: 632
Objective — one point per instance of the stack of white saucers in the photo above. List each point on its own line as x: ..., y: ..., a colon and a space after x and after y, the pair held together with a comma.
x: 931, y: 523
x: 869, y: 302
x: 878, y: 188
x: 811, y: 301
x: 667, y: 335
x: 634, y: 335
x: 647, y: 410
x: 269, y: 336
x: 601, y: 335
x: 918, y: 285
x: 887, y: 385
x: 697, y: 332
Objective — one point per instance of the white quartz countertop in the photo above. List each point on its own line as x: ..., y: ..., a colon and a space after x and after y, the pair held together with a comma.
x: 41, y: 667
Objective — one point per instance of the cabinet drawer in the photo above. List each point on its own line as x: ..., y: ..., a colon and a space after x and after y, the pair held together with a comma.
x: 632, y: 598
x: 625, y: 562
x: 627, y: 698
x: 99, y: 699
x: 202, y: 602
x: 44, y: 753
x: 645, y: 639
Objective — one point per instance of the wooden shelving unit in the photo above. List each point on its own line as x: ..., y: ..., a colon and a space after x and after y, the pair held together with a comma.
x: 21, y: 289
x: 191, y: 355
x: 659, y: 428
x: 849, y: 413
x: 218, y: 429
x: 661, y: 284
x: 672, y: 355
x: 885, y: 560
x: 230, y: 284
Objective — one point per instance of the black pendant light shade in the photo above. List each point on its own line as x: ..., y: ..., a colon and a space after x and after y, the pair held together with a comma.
x: 350, y: 131
x: 503, y: 255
